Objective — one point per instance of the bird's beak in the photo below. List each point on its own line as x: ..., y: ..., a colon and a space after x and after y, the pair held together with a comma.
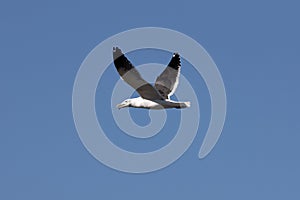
x: 121, y: 105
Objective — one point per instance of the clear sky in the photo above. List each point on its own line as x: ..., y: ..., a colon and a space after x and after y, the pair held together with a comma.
x: 255, y: 45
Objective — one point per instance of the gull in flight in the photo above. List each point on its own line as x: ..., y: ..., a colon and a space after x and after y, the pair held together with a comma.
x: 151, y: 97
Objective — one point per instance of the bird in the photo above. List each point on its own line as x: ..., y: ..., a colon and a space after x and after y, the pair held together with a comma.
x: 155, y: 96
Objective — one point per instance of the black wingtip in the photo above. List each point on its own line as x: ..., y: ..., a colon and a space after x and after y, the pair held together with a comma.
x: 176, y: 54
x: 175, y: 62
x: 117, y: 49
x: 122, y: 64
x: 117, y: 52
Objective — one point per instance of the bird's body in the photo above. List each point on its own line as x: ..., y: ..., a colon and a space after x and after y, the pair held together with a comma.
x: 151, y: 97
x: 139, y: 102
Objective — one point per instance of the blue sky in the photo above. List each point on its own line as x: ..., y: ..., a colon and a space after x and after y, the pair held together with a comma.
x: 255, y: 46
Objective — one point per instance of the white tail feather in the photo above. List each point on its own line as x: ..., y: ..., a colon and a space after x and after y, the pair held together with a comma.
x: 185, y: 104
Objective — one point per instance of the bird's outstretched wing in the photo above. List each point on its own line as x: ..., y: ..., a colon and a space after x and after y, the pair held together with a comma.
x: 167, y: 82
x: 131, y: 76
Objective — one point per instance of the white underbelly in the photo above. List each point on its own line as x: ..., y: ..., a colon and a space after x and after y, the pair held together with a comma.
x: 160, y: 104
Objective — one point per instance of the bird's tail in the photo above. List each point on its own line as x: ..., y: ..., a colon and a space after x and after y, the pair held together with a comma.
x: 186, y: 104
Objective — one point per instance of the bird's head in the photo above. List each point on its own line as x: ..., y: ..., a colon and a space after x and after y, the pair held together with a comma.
x: 126, y: 103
